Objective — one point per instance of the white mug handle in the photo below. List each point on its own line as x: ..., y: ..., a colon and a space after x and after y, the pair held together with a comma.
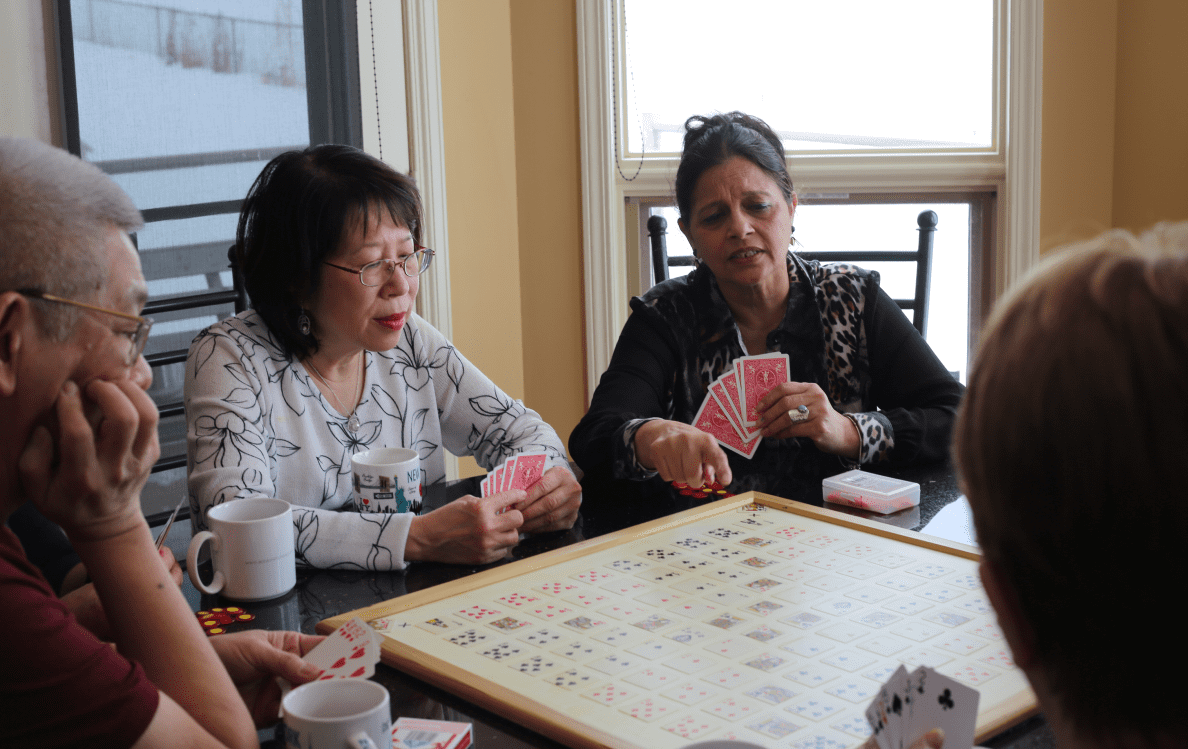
x: 360, y: 741
x: 218, y: 581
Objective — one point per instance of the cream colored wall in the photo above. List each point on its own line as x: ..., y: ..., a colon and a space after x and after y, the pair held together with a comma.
x: 26, y: 87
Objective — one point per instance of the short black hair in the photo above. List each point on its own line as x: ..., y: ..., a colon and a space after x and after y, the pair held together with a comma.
x: 714, y: 140
x: 295, y: 216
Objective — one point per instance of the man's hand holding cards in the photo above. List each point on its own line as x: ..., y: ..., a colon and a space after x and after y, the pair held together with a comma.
x: 909, y: 707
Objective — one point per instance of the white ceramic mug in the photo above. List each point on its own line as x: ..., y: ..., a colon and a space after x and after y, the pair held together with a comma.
x: 251, y: 543
x: 338, y: 714
x: 387, y: 479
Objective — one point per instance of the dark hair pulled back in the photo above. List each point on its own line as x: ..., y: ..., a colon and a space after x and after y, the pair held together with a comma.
x: 710, y: 141
x: 295, y: 216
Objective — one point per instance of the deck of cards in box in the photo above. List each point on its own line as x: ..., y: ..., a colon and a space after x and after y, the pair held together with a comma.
x: 415, y: 733
x: 869, y: 491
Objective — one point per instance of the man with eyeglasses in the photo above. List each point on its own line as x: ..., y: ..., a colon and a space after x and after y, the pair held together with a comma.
x: 80, y: 438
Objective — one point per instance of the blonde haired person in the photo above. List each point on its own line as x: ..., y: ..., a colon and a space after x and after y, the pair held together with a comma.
x: 1070, y: 445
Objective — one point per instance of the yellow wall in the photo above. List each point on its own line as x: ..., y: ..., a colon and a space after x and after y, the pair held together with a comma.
x: 479, y: 125
x: 1077, y: 149
x: 548, y: 167
x: 509, y: 89
x: 1151, y: 152
x: 1115, y: 117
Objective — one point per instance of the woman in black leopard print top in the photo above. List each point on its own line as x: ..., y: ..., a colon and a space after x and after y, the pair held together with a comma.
x: 874, y: 389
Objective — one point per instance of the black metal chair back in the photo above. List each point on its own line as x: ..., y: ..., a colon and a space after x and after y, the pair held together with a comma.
x: 922, y: 257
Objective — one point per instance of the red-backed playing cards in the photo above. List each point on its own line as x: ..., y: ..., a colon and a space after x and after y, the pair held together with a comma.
x: 517, y: 472
x: 712, y: 420
x: 730, y: 410
x: 758, y: 376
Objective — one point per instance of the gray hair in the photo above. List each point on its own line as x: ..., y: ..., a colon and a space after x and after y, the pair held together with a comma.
x: 55, y: 210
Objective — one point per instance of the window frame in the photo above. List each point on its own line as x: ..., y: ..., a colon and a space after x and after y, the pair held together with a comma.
x: 1009, y: 169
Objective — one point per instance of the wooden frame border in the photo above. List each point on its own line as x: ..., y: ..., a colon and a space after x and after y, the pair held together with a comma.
x: 563, y: 728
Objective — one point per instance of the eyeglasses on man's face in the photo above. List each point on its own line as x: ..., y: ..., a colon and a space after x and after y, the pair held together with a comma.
x: 136, y: 337
x: 378, y: 273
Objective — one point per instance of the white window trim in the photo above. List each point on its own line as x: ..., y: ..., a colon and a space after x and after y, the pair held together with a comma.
x: 1014, y: 172
x: 411, y: 116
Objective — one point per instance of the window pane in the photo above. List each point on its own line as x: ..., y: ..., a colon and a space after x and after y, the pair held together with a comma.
x: 856, y: 75
x: 890, y: 227
x: 182, y: 102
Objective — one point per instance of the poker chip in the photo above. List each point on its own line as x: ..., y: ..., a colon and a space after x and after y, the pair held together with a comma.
x: 215, y: 621
x: 713, y: 489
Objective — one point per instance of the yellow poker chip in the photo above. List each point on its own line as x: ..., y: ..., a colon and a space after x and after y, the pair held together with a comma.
x: 215, y: 631
x: 233, y: 610
x: 245, y: 617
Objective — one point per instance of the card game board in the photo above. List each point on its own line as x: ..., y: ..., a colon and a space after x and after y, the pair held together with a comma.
x: 752, y: 618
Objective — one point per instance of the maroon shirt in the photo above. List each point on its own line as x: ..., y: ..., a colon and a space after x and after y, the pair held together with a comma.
x: 59, y: 684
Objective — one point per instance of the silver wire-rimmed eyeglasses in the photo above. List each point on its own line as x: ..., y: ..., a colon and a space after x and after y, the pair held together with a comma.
x: 378, y: 273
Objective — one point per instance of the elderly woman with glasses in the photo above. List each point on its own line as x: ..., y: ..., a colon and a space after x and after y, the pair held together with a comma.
x: 332, y: 359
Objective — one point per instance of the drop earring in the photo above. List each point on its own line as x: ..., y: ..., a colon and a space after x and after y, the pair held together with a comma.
x: 303, y: 324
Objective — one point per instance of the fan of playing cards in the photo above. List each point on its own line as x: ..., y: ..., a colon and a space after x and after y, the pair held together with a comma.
x: 731, y: 410
x: 351, y: 652
x: 517, y: 472
x: 910, y: 705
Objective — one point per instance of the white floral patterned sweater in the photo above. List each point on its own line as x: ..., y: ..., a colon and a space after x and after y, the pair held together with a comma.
x: 257, y: 425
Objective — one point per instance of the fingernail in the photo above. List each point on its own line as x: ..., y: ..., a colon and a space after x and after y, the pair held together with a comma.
x: 935, y: 738
x: 69, y: 388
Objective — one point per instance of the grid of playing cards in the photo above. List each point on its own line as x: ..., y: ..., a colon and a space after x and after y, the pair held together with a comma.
x: 731, y: 409
x: 517, y: 472
x: 776, y: 625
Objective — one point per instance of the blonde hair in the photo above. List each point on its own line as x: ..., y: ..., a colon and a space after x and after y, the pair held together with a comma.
x: 55, y: 212
x: 1070, y: 445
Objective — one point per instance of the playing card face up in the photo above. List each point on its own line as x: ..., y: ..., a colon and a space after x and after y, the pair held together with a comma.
x: 910, y: 705
x: 350, y: 652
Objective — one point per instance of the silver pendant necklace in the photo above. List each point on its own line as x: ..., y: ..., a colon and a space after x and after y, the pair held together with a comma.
x: 353, y: 422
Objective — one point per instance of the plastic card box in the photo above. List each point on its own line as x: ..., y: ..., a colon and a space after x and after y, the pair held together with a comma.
x: 870, y: 491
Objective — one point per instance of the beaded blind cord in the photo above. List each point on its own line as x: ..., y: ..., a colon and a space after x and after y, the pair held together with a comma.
x: 353, y: 422
x: 379, y: 136
x: 615, y: 98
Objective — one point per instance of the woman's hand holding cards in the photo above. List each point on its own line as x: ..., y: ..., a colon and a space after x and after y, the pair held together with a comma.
x: 830, y: 431
x: 681, y: 452
x: 469, y: 530
x: 553, y: 502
